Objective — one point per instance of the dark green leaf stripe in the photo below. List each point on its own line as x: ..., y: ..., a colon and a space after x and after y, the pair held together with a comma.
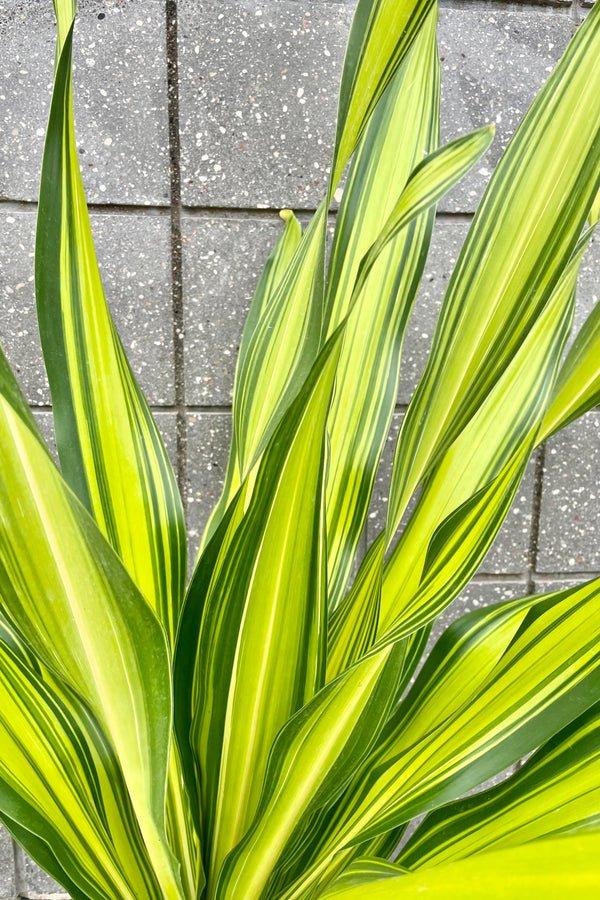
x: 557, y: 790
x: 520, y: 241
x: 110, y: 449
x: 364, y: 872
x: 60, y: 780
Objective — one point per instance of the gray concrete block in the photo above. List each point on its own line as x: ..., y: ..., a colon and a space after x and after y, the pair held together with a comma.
x: 135, y: 264
x: 509, y: 552
x: 493, y: 65
x: 543, y: 586
x: 570, y: 513
x: 448, y: 237
x: 120, y: 89
x: 208, y: 438
x: 260, y: 132
x: 222, y: 262
x: 39, y: 882
x: 7, y: 864
x: 259, y: 84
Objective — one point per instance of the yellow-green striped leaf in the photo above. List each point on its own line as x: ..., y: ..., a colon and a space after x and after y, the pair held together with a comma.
x: 269, y: 281
x: 519, y: 243
x: 577, y: 387
x: 464, y: 500
x: 260, y: 654
x: 553, y: 869
x: 382, y: 33
x: 95, y: 627
x: 61, y: 788
x: 110, y: 449
x: 557, y: 790
x: 312, y: 759
x: 467, y: 495
x: 402, y: 129
x: 358, y: 390
x: 499, y: 681
x: 282, y: 347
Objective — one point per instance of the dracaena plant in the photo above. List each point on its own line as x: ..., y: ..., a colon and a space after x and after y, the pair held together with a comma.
x: 256, y: 734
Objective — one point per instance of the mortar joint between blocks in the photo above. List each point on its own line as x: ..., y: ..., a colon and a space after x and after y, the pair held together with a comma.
x: 176, y: 242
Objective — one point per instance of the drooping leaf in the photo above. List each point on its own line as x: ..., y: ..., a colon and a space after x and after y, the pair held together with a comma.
x: 61, y: 789
x: 95, y: 629
x: 557, y: 790
x: 565, y: 867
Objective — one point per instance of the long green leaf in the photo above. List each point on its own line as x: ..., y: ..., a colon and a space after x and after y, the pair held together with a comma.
x: 356, y: 446
x: 557, y: 790
x: 382, y: 33
x: 519, y: 243
x: 312, y: 759
x: 59, y: 779
x: 402, y: 129
x: 282, y: 347
x: 110, y: 449
x: 96, y: 628
x: 555, y: 869
x: 261, y: 651
x: 266, y: 289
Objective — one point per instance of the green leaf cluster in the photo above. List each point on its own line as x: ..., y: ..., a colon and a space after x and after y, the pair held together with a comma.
x: 260, y: 734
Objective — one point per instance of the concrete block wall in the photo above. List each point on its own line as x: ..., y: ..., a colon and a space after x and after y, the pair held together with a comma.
x: 197, y: 120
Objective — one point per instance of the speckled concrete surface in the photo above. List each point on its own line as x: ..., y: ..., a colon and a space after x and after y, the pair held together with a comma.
x: 209, y: 435
x: 493, y: 65
x: 258, y: 100
x: 222, y: 260
x: 134, y: 258
x: 258, y: 94
x: 120, y: 98
x: 7, y: 866
x: 570, y: 514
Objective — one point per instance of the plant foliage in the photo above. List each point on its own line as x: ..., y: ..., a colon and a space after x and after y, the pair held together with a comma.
x: 260, y: 733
